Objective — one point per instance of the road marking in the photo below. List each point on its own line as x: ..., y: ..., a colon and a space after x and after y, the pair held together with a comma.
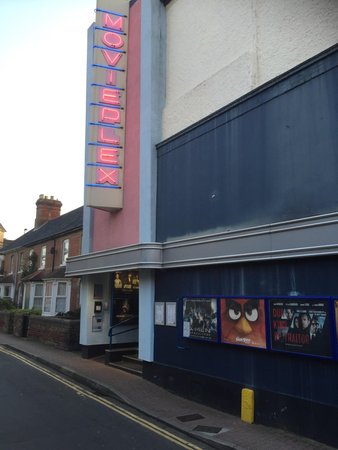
x: 108, y: 404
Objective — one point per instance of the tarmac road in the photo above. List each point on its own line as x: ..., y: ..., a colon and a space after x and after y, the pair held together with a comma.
x: 40, y: 409
x: 205, y: 425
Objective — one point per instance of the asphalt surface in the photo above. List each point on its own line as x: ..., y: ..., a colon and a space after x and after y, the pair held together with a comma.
x: 208, y: 426
x: 54, y: 414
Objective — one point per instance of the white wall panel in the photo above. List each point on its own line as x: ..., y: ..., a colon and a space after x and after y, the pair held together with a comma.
x: 218, y: 50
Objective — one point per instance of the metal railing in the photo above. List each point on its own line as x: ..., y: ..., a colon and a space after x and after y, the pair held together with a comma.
x: 116, y: 327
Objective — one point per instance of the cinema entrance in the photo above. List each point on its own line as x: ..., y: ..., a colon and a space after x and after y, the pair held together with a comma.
x: 124, y: 315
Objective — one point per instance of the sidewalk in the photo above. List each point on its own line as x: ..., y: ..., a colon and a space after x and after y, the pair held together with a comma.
x: 221, y: 430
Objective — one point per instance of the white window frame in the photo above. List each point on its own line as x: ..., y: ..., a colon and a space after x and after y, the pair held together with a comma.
x: 43, y: 257
x: 47, y: 304
x: 61, y: 296
x: 52, y: 300
x: 30, y: 262
x: 35, y: 285
x: 8, y: 287
x: 65, y: 251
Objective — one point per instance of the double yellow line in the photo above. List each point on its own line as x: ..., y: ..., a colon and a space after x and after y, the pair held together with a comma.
x: 117, y: 409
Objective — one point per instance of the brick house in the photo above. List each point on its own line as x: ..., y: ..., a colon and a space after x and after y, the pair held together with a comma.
x: 34, y: 264
x: 2, y: 239
x: 2, y: 235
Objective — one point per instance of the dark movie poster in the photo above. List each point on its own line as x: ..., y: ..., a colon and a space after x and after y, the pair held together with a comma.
x: 125, y: 297
x: 126, y: 308
x: 200, y: 318
x: 243, y: 322
x: 300, y: 326
x: 336, y: 312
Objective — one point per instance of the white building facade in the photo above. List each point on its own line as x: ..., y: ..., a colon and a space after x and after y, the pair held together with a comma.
x: 193, y: 68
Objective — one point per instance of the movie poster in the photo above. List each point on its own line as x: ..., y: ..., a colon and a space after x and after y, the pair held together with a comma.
x: 126, y: 281
x: 300, y: 326
x: 243, y: 322
x: 200, y: 318
x: 125, y: 297
x: 126, y: 308
x: 336, y: 310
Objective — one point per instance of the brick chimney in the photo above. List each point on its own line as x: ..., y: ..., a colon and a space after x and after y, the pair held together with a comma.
x: 47, y: 208
x: 2, y: 235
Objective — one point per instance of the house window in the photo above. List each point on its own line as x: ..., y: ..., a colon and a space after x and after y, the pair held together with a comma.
x: 32, y: 260
x: 27, y: 292
x: 65, y: 251
x: 61, y: 297
x: 38, y: 296
x: 43, y: 257
x: 21, y: 262
x: 7, y: 291
x: 47, y: 306
x: 12, y: 264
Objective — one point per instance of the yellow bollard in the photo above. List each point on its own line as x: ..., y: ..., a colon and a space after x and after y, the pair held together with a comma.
x: 247, y: 410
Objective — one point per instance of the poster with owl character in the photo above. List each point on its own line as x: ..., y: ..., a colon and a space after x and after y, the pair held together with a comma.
x: 243, y: 322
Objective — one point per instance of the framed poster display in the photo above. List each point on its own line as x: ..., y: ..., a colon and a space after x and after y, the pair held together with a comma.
x: 125, y: 297
x: 125, y: 308
x: 336, y: 328
x: 300, y: 325
x: 159, y: 313
x: 170, y: 314
x: 243, y: 322
x: 200, y: 318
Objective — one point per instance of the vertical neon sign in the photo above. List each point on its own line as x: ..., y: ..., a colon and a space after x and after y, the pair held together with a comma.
x: 106, y: 108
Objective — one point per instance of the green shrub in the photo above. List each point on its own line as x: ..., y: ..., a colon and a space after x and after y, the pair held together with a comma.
x: 36, y: 312
x: 29, y: 265
x: 6, y: 303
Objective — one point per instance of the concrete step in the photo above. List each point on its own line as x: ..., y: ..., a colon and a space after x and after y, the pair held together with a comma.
x: 116, y: 353
x: 128, y: 365
x: 132, y: 357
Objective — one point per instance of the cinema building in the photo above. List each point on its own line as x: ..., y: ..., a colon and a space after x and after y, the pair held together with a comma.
x: 211, y: 219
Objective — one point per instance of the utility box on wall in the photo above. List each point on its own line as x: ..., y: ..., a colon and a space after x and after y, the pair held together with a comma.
x: 97, y: 321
